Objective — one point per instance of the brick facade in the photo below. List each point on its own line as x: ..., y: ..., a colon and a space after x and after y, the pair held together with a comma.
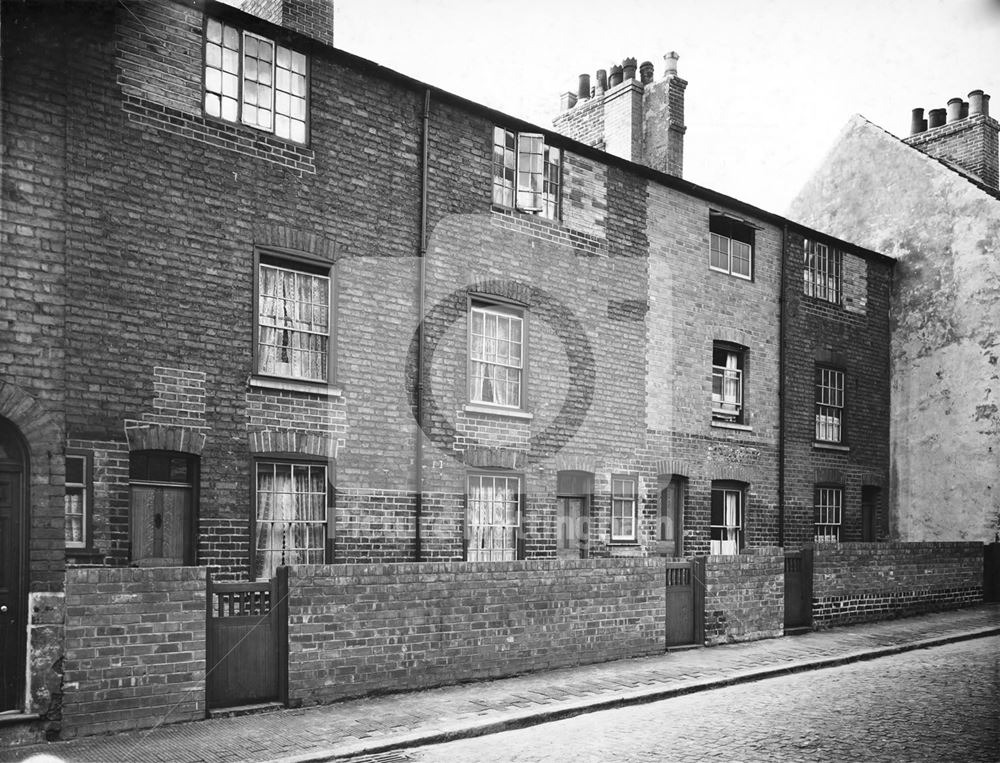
x: 850, y: 337
x: 136, y: 224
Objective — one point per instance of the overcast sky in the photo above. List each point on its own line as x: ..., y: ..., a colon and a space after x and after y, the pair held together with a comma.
x: 771, y: 83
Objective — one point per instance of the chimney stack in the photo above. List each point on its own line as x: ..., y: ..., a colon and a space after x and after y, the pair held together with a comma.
x: 962, y: 134
x: 313, y: 18
x: 640, y: 119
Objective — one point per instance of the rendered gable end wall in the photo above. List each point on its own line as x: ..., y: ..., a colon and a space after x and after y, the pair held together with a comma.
x: 945, y: 233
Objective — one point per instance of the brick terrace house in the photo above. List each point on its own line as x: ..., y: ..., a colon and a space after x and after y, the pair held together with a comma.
x: 930, y: 201
x: 267, y: 303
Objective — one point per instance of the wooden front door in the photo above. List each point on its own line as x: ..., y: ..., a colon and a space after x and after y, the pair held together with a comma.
x: 573, y: 528
x: 13, y: 601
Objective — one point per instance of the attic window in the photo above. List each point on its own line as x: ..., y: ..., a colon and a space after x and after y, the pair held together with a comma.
x: 731, y: 246
x: 252, y: 80
x: 526, y: 173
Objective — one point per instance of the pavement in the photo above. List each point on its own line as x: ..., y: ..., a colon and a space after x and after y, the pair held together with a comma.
x: 384, y: 723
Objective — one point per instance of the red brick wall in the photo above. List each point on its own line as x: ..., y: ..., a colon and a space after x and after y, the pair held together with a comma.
x: 357, y: 629
x: 744, y: 596
x: 864, y: 582
x: 134, y: 650
x: 853, y: 337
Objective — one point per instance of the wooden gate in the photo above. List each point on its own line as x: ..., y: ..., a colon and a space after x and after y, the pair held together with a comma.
x: 247, y: 642
x: 991, y: 572
x: 798, y: 590
x: 685, y: 602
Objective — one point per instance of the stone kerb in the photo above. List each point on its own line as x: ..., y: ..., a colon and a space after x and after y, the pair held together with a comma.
x: 359, y: 629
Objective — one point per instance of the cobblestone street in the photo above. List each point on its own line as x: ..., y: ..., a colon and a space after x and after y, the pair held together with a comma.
x: 937, y: 704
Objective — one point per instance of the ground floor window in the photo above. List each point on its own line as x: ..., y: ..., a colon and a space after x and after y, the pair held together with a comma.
x: 672, y: 516
x: 727, y: 518
x: 494, y: 517
x: 829, y: 513
x: 624, y: 508
x: 291, y: 522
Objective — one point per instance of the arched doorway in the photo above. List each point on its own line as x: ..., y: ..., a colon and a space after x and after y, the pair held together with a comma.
x: 13, y: 553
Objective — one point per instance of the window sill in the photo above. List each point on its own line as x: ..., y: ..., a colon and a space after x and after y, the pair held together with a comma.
x: 286, y: 385
x: 511, y: 413
x: 730, y: 425
x: 817, y: 445
x: 84, y: 553
x: 623, y: 542
x: 730, y: 273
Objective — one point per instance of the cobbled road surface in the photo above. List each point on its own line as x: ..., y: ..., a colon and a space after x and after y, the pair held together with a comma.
x: 938, y: 705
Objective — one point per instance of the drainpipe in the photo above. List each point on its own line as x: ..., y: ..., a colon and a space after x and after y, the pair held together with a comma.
x: 782, y: 310
x: 421, y: 297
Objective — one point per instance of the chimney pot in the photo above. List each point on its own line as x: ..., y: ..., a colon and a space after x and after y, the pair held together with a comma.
x: 602, y: 82
x: 628, y: 69
x: 936, y: 118
x: 646, y: 72
x: 954, y: 109
x: 965, y: 110
x: 917, y: 122
x: 670, y: 64
x: 616, y: 76
x: 978, y: 103
x: 583, y: 91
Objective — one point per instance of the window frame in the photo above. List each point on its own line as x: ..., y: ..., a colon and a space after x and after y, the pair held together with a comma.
x: 730, y: 230
x: 508, y: 159
x: 824, y: 408
x: 491, y: 306
x: 86, y: 488
x: 517, y: 546
x: 624, y: 498
x: 293, y: 460
x: 242, y: 78
x: 728, y: 487
x: 822, y: 272
x: 820, y: 506
x: 720, y: 414
x: 303, y: 263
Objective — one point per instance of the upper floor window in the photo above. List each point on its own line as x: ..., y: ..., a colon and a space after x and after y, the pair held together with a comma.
x: 731, y: 246
x: 77, y: 501
x: 829, y: 508
x: 494, y: 518
x: 526, y: 173
x: 727, y: 383
x: 822, y: 273
x: 624, y: 508
x: 496, y: 355
x: 293, y: 320
x: 829, y: 405
x: 253, y: 80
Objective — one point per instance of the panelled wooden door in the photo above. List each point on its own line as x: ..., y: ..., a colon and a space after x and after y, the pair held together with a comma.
x: 13, y: 603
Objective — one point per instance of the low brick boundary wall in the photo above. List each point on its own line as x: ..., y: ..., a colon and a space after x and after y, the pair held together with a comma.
x: 744, y: 596
x: 866, y: 582
x: 359, y: 629
x: 134, y: 648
